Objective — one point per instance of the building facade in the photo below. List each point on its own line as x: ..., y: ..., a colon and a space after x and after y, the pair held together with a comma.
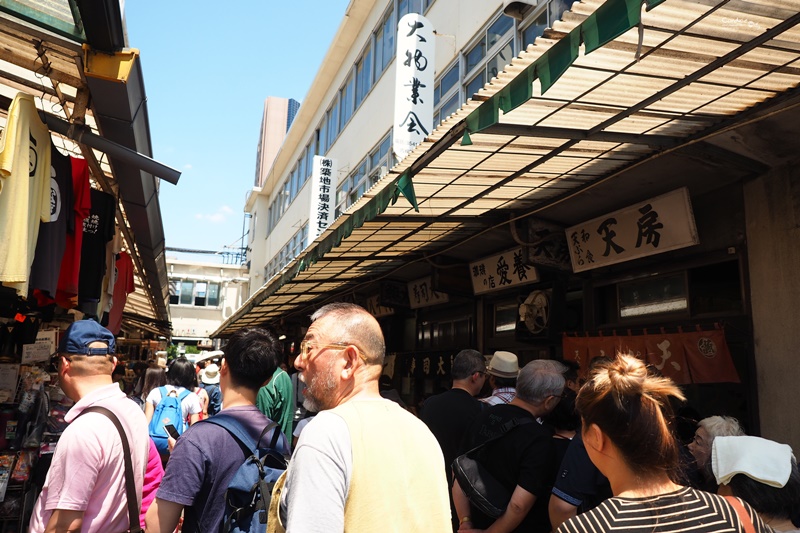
x: 202, y: 296
x: 548, y: 200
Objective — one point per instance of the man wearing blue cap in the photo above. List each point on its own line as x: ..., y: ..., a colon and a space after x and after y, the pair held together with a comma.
x: 85, y: 486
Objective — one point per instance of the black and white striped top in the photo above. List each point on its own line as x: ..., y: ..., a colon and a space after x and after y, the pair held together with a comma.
x: 687, y: 509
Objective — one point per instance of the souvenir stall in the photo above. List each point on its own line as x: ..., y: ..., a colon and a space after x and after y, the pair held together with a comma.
x: 80, y: 219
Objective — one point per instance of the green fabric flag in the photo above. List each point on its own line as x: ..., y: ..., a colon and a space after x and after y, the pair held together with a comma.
x: 612, y: 19
x: 519, y: 90
x: 555, y: 62
x: 406, y: 188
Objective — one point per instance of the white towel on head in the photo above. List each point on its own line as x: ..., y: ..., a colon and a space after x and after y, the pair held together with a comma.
x: 763, y: 460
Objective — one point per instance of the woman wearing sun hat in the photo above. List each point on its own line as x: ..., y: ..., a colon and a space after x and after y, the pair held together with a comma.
x: 209, y: 381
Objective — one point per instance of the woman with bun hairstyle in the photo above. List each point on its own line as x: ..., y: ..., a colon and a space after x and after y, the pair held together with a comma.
x: 628, y: 434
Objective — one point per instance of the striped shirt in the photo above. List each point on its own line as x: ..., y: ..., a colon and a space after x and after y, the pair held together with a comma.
x: 684, y: 510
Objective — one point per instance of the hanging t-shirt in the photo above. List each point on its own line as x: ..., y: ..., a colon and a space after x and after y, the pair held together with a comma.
x: 123, y: 286
x: 67, y: 293
x: 24, y: 190
x: 98, y: 229
x: 53, y: 235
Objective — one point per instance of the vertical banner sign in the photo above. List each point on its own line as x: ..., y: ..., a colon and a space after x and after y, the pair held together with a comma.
x: 413, y: 90
x: 323, y: 190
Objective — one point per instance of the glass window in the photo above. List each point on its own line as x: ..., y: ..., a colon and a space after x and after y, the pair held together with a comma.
x: 497, y: 31
x: 364, y: 75
x: 388, y: 40
x: 322, y: 138
x: 476, y: 55
x: 476, y: 84
x: 187, y: 287
x: 449, y: 107
x: 379, y: 51
x: 301, y: 169
x: 174, y: 292
x: 666, y: 294
x: 498, y: 62
x: 333, y: 123
x: 293, y: 184
x: 347, y: 101
x: 557, y: 9
x: 200, y: 290
x: 309, y: 161
x: 536, y: 29
x: 505, y: 317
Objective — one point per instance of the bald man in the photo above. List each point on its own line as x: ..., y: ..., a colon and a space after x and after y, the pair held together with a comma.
x: 363, y: 463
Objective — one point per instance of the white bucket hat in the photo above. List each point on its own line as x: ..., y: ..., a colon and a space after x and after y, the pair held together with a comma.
x: 503, y: 365
x: 210, y: 375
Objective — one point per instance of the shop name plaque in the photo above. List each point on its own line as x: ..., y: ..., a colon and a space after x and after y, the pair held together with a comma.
x: 650, y: 227
x: 501, y: 271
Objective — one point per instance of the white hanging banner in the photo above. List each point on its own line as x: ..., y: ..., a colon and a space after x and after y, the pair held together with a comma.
x: 413, y: 90
x: 323, y: 191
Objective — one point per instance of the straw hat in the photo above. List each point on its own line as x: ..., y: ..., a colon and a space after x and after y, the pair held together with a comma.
x: 503, y: 365
x: 210, y: 375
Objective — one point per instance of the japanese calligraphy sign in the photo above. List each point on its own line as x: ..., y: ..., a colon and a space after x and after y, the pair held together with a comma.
x: 413, y: 90
x: 501, y: 272
x: 651, y: 227
x: 323, y: 192
x: 684, y: 357
x: 421, y: 294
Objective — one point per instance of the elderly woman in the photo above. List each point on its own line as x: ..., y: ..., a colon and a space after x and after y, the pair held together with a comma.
x: 627, y: 431
x: 761, y: 472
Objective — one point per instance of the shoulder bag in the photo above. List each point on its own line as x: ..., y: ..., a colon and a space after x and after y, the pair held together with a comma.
x: 130, y: 485
x: 481, y: 488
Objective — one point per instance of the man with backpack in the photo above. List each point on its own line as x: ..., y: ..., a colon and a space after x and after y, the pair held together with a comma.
x: 208, y: 458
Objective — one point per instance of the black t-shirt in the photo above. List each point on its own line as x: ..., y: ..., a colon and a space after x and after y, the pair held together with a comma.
x: 579, y: 482
x: 98, y: 229
x: 53, y: 235
x: 449, y: 415
x: 525, y: 456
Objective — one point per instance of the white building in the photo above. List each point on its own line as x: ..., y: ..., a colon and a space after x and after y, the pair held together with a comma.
x: 202, y: 296
x: 348, y: 112
x: 543, y: 196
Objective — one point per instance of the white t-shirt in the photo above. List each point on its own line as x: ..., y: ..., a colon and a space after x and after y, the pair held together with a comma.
x: 189, y: 406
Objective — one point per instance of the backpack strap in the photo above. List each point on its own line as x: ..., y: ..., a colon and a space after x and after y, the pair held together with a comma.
x: 234, y: 427
x: 183, y: 395
x: 130, y: 484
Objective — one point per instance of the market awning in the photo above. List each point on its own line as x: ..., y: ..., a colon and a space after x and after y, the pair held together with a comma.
x: 611, y: 87
x: 72, y: 56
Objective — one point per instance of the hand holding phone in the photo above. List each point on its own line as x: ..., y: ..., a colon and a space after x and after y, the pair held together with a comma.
x: 172, y: 431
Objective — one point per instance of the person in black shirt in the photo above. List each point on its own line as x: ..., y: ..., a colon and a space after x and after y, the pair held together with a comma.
x: 522, y: 460
x: 448, y: 415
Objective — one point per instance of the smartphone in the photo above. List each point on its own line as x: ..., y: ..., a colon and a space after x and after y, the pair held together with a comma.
x: 172, y: 431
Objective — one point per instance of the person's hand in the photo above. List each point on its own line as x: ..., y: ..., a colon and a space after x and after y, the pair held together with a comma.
x: 170, y: 443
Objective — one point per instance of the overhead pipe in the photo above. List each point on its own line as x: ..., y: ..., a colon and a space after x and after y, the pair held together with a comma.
x: 83, y: 135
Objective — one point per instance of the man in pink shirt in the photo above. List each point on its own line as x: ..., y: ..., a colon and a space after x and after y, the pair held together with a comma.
x: 85, y: 486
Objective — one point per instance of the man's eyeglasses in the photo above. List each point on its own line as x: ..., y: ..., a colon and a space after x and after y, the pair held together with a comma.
x: 305, y: 346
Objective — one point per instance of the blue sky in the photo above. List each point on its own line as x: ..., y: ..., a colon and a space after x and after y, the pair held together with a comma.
x: 208, y: 66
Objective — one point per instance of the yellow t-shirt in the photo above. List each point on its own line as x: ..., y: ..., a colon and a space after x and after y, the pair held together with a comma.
x: 24, y: 190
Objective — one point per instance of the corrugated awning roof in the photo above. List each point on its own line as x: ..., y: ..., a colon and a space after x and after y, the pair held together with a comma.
x: 575, y: 109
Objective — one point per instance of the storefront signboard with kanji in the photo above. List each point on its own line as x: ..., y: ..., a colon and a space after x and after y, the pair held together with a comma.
x: 421, y: 293
x: 501, y: 271
x: 414, y: 81
x: 323, y: 192
x: 650, y: 227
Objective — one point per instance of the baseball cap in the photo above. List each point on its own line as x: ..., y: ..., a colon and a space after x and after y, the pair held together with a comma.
x: 81, y: 334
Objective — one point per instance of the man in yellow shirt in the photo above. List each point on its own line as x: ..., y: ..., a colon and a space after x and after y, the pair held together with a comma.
x: 363, y: 463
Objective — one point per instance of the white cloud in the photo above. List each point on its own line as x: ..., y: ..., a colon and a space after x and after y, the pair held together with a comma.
x: 187, y: 166
x: 217, y: 217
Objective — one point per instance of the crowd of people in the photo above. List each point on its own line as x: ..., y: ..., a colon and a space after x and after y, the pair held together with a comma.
x: 543, y: 451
